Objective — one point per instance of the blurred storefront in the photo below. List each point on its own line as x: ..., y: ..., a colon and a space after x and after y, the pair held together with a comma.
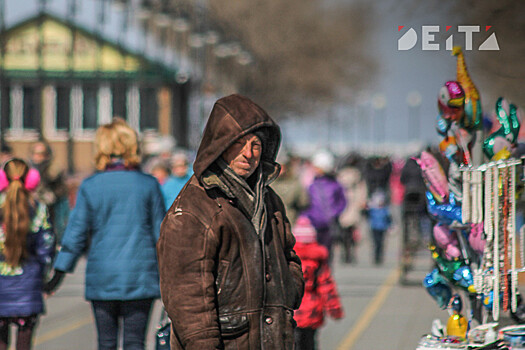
x: 59, y: 81
x: 68, y: 66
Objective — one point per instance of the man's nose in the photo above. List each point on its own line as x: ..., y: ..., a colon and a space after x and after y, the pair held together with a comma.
x: 247, y: 151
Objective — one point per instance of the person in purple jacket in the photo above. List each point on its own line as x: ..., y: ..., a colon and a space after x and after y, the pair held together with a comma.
x: 27, y: 247
x: 327, y: 199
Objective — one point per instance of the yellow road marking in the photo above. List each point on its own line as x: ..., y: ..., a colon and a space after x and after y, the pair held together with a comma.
x: 63, y: 330
x: 370, y: 311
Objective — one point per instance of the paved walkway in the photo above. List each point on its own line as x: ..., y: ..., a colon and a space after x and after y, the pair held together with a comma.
x: 380, y: 313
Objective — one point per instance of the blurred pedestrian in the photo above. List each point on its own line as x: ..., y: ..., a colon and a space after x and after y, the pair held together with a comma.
x: 27, y: 247
x: 397, y: 189
x: 351, y: 178
x: 161, y: 171
x: 377, y: 175
x: 320, y: 292
x: 327, y: 200
x: 52, y: 190
x: 180, y: 174
x: 379, y: 219
x: 119, y: 209
x: 414, y: 199
x: 289, y: 188
x: 229, y: 276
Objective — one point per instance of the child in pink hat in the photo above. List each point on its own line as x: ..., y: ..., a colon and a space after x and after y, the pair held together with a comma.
x: 320, y: 295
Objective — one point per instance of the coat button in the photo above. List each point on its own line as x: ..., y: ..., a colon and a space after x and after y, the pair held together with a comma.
x: 268, y: 320
x: 268, y: 277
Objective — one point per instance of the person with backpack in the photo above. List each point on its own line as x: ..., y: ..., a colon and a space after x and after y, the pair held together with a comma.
x: 320, y: 293
x: 27, y: 247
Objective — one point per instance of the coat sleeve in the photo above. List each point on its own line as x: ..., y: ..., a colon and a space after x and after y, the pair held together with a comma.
x: 75, y: 238
x: 328, y: 292
x: 339, y: 199
x: 294, y: 264
x: 292, y: 259
x: 45, y: 239
x: 158, y: 210
x: 186, y: 264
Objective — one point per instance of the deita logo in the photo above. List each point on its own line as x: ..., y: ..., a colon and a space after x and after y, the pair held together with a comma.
x: 409, y: 39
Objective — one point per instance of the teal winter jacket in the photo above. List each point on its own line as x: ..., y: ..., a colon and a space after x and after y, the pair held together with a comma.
x: 116, y: 220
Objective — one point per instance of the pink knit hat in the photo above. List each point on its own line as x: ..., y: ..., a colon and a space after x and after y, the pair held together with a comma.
x: 303, y: 230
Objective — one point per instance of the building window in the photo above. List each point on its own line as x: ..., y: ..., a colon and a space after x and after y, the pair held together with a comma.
x: 5, y: 107
x: 90, y: 107
x: 149, y: 109
x: 31, y: 107
x: 118, y: 92
x: 63, y: 94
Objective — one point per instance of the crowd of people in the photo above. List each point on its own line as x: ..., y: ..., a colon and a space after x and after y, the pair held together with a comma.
x: 237, y: 207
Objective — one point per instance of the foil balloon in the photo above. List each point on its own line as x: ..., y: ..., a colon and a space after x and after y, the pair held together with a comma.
x: 475, y: 238
x: 442, y: 125
x: 455, y: 183
x: 508, y: 118
x: 446, y: 240
x: 438, y: 288
x: 488, y: 299
x: 472, y: 106
x: 457, y: 324
x: 434, y: 176
x: 456, y: 271
x: 463, y: 278
x: 455, y: 303
x: 449, y: 148
x: 498, y: 145
x: 451, y: 100
x: 464, y: 140
x: 444, y: 213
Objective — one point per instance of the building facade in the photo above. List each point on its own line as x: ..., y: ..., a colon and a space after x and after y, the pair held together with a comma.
x: 59, y: 81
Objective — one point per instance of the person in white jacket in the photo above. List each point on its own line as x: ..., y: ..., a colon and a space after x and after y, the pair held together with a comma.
x: 351, y: 178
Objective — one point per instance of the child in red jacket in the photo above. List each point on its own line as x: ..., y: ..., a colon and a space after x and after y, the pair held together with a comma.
x: 320, y: 294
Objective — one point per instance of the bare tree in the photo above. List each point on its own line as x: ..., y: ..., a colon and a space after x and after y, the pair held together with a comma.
x: 499, y: 73
x: 495, y: 73
x: 303, y: 51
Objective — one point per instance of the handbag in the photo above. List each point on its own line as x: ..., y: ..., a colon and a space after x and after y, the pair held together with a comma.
x: 162, y: 339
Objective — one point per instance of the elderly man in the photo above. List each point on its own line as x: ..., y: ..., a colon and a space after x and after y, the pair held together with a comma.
x: 229, y: 276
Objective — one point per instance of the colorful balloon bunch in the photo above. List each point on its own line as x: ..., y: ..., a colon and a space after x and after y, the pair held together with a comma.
x: 458, y: 244
x: 460, y: 114
x: 447, y: 253
x: 459, y: 118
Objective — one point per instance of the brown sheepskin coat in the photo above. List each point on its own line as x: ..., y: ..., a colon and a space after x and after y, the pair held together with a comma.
x: 223, y: 285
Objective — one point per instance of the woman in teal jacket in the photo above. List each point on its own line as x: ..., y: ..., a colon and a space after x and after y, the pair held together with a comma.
x: 118, y: 213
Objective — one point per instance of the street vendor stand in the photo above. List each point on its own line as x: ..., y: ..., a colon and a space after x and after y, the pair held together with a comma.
x: 477, y: 248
